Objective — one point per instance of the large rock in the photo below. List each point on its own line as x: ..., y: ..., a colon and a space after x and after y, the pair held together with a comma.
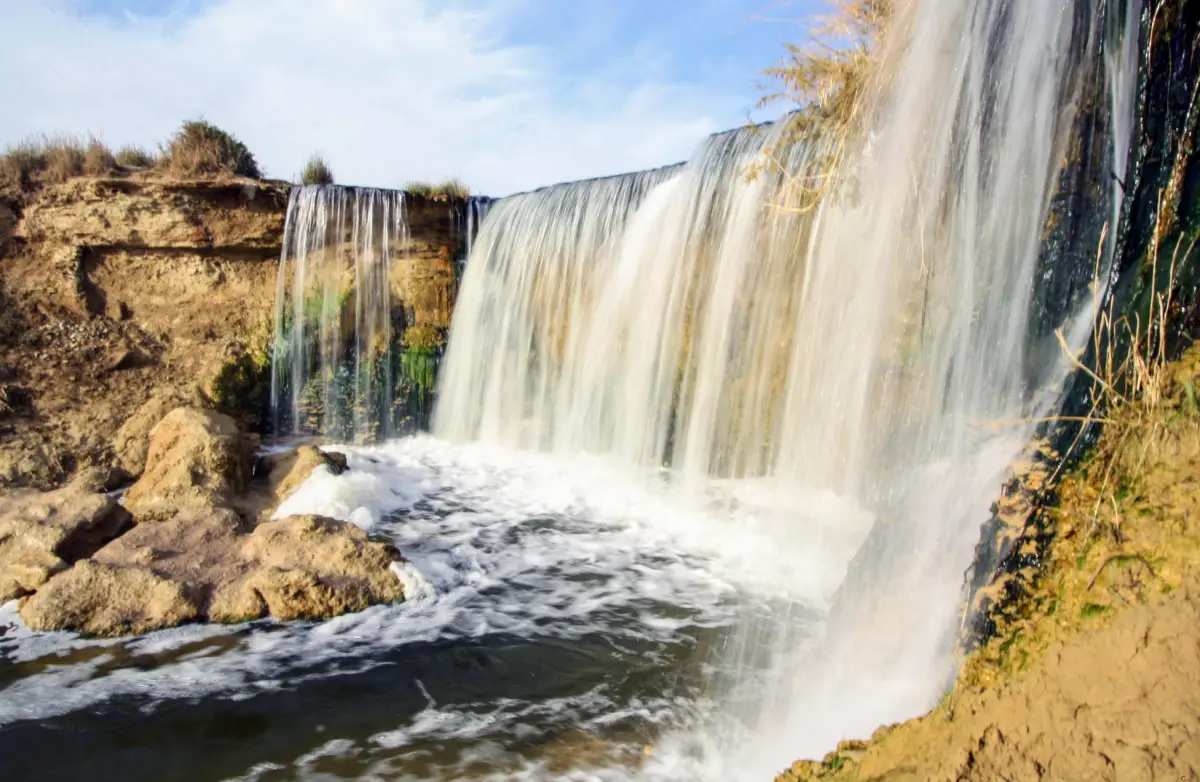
x: 310, y: 567
x: 132, y: 441
x: 97, y: 599
x: 44, y: 533
x: 197, y: 459
x: 202, y: 565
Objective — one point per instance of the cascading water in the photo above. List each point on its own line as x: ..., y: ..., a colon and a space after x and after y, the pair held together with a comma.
x: 340, y: 363
x: 874, y: 345
x: 715, y: 448
x: 333, y: 362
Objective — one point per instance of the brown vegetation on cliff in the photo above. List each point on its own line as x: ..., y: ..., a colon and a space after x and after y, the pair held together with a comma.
x: 316, y: 172
x: 200, y: 148
x: 450, y: 188
x: 51, y: 160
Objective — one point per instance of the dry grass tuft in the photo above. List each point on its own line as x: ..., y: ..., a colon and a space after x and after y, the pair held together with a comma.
x: 827, y: 78
x: 316, y: 171
x: 826, y: 82
x: 98, y: 159
x: 450, y: 188
x: 1130, y: 380
x: 52, y: 159
x: 134, y: 157
x: 202, y: 149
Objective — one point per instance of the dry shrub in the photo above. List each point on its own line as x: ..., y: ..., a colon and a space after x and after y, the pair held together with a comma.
x: 450, y: 188
x: 827, y: 82
x: 827, y: 78
x: 49, y: 160
x: 316, y: 171
x: 98, y: 160
x: 21, y: 161
x: 203, y: 149
x: 134, y: 157
x: 64, y: 158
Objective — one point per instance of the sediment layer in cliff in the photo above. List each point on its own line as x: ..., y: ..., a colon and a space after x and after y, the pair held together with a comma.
x: 125, y: 295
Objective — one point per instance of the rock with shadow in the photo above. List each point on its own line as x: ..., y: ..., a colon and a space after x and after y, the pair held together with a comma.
x: 204, y: 547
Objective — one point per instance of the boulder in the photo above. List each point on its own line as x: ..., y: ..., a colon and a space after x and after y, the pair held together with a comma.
x: 196, y: 459
x: 44, y: 533
x: 96, y: 599
x: 133, y: 438
x: 203, y: 565
x: 195, y: 547
x: 308, y: 567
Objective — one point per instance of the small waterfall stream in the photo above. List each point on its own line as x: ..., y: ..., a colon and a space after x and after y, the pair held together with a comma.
x: 342, y: 365
x: 333, y: 359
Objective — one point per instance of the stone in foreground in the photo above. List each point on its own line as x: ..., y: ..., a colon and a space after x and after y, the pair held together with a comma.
x: 203, y: 565
x: 43, y: 534
x: 196, y: 459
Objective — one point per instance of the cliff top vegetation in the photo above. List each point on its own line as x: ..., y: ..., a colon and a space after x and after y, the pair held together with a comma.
x: 450, y: 188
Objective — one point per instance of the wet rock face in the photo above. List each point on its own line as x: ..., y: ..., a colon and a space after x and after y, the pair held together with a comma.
x: 195, y: 459
x: 43, y: 534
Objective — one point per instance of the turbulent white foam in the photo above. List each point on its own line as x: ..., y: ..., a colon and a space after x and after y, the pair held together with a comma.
x: 499, y: 542
x: 415, y: 585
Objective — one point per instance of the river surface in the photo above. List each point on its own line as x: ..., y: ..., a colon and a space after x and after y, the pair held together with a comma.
x: 570, y: 620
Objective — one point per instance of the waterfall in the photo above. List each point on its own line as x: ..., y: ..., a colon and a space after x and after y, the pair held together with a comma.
x: 333, y: 361
x: 875, y: 342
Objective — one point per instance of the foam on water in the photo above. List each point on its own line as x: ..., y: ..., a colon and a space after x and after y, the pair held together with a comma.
x: 501, y: 544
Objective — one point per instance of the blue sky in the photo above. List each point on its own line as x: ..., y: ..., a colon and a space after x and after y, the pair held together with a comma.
x: 506, y: 94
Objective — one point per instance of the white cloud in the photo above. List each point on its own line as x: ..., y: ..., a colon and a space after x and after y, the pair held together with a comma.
x: 389, y: 90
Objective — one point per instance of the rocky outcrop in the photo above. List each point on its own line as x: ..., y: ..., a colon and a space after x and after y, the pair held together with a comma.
x: 136, y: 317
x: 132, y: 440
x: 160, y: 213
x: 123, y: 289
x: 42, y: 534
x: 196, y: 459
x: 201, y: 549
x: 307, y: 567
x: 117, y: 290
x: 207, y: 566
